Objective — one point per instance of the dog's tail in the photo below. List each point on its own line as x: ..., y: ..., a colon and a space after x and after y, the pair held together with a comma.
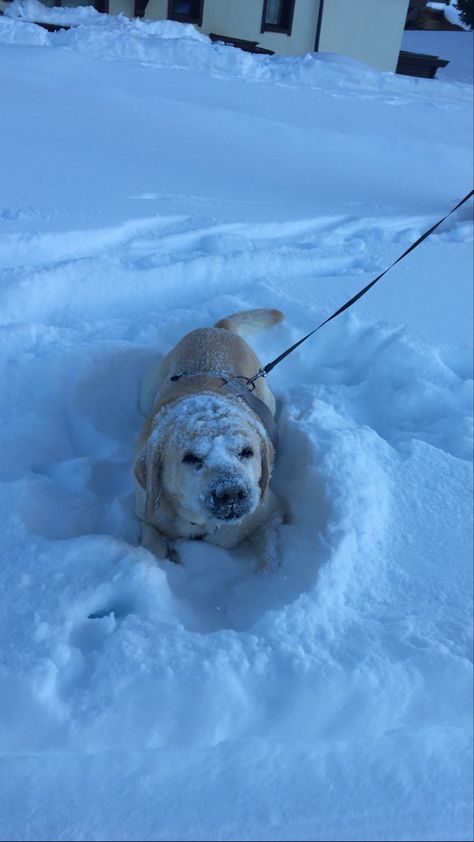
x: 250, y: 321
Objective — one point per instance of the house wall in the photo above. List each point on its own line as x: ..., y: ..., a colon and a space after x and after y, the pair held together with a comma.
x: 366, y: 30
x: 156, y: 9
x: 370, y: 31
x: 243, y: 19
x: 122, y: 7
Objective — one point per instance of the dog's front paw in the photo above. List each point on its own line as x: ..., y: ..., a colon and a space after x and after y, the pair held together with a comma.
x: 172, y: 554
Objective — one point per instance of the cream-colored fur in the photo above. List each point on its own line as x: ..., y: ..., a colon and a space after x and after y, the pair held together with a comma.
x: 204, y: 457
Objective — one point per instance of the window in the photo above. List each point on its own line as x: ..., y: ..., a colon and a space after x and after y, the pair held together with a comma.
x: 186, y: 11
x: 278, y: 16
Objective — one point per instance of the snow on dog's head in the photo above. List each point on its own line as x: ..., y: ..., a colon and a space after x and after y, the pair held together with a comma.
x: 208, y: 456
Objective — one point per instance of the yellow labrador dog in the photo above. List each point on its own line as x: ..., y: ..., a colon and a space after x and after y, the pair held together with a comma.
x: 207, y: 448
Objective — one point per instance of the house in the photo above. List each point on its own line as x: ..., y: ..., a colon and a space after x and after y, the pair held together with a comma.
x: 366, y: 30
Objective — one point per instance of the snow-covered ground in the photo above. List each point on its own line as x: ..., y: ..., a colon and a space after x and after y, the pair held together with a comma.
x: 152, y: 182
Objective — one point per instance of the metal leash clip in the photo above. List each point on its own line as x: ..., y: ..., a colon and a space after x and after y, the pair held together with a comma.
x: 251, y: 380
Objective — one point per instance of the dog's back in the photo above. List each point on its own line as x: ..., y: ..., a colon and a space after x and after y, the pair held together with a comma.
x: 210, y: 350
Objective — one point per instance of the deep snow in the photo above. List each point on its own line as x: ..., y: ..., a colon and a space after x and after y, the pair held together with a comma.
x: 152, y: 183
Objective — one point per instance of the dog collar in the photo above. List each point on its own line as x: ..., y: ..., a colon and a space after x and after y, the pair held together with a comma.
x: 238, y: 387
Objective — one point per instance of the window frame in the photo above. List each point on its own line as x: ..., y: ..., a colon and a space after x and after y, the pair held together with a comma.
x: 274, y: 27
x: 184, y: 18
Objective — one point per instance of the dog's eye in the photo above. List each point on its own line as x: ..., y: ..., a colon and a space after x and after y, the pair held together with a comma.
x: 246, y: 453
x: 192, y: 459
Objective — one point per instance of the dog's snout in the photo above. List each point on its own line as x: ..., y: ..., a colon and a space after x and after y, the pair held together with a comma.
x: 228, y: 496
x: 229, y: 500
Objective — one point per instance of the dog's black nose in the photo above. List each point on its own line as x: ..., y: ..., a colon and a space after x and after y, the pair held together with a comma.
x: 229, y: 500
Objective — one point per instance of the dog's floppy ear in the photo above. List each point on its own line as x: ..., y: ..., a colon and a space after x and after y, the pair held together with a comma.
x: 140, y: 468
x: 266, y: 454
x: 148, y: 475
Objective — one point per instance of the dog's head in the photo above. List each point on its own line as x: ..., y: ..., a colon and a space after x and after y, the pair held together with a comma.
x: 210, y: 457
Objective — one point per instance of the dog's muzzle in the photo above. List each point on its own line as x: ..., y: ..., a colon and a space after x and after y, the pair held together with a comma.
x: 229, y: 499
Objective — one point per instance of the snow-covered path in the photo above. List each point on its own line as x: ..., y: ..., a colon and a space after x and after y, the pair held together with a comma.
x: 329, y: 698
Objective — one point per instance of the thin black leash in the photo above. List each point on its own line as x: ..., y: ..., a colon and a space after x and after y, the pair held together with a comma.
x: 262, y: 372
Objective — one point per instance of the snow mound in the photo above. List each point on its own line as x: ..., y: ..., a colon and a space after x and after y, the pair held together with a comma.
x: 33, y: 10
